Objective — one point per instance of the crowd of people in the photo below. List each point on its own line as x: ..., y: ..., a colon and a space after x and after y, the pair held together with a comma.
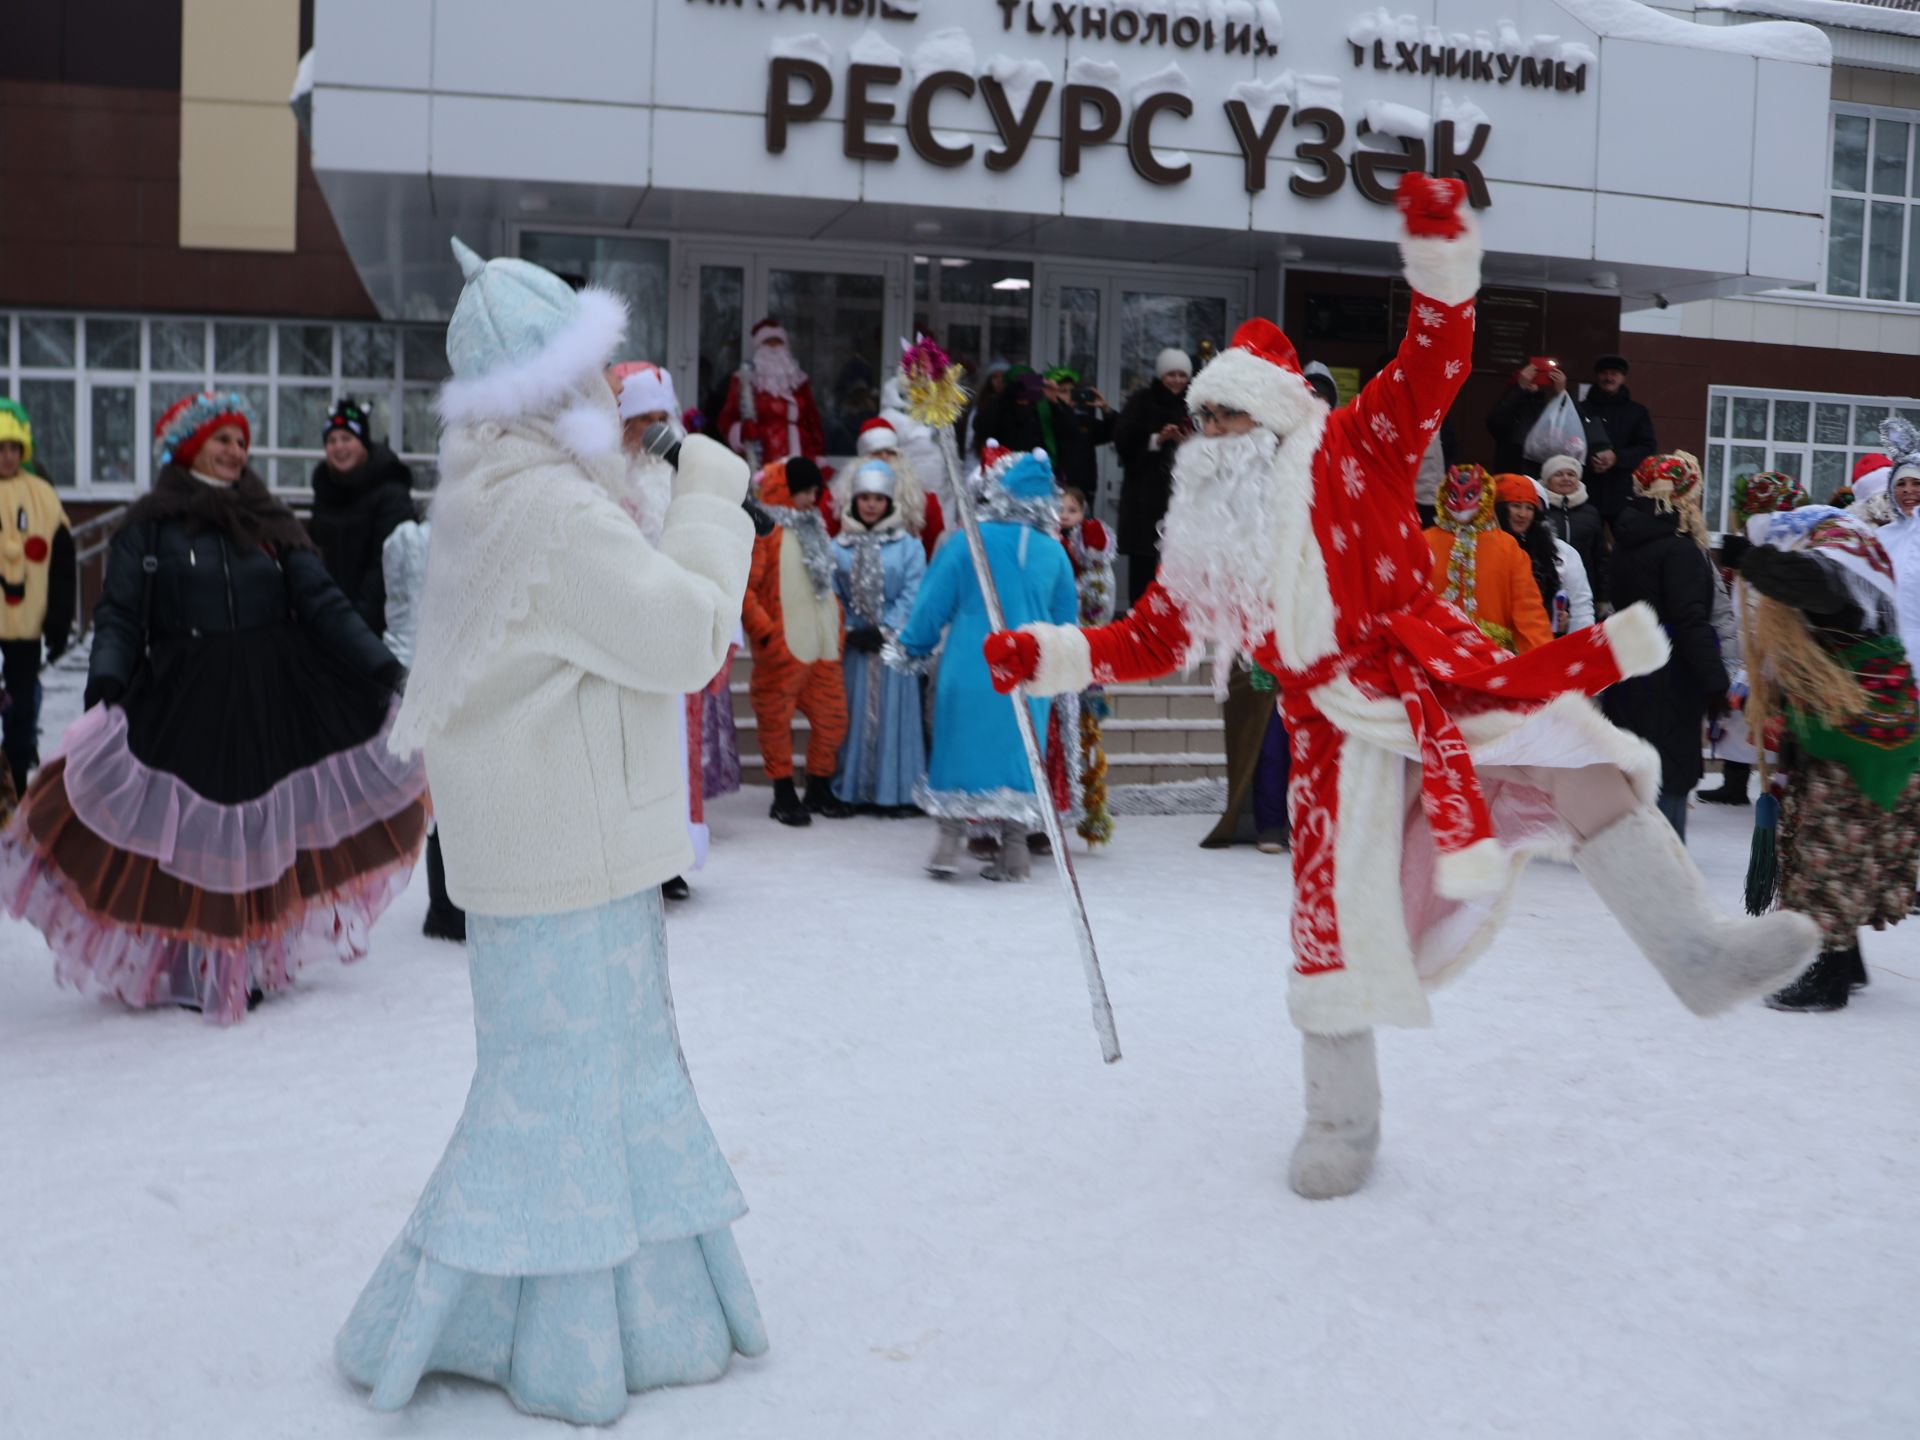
x: 281, y: 717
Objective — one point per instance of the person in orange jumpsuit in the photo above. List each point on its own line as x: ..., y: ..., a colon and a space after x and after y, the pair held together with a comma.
x: 794, y: 625
x: 1481, y: 568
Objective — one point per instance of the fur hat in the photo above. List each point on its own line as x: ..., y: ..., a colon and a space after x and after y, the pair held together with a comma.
x: 192, y: 419
x: 521, y: 342
x: 876, y: 435
x: 1258, y: 374
x: 1171, y: 359
x: 1561, y: 462
x: 1872, y: 474
x: 644, y: 389
x: 15, y: 426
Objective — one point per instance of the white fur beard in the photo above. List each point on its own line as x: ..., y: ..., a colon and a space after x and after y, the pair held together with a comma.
x: 776, y: 371
x: 1218, y: 552
x: 646, y: 491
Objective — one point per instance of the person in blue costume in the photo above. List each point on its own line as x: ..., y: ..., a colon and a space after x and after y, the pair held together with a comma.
x: 979, y: 768
x: 878, y: 567
x: 575, y: 1243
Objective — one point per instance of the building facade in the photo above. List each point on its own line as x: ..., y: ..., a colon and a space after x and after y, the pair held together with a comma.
x: 1075, y: 184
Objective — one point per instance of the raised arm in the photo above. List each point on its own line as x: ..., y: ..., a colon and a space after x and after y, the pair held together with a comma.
x: 1398, y: 413
x: 1054, y: 659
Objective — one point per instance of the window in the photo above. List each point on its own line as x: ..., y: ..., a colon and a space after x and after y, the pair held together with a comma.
x: 96, y: 385
x: 1873, y: 224
x: 980, y: 310
x: 629, y: 265
x: 1817, y: 438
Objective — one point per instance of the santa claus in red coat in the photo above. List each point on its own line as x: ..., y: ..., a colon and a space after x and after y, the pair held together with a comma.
x: 785, y: 420
x: 1428, y: 764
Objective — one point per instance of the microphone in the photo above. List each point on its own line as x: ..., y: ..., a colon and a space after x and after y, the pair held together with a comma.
x: 662, y: 441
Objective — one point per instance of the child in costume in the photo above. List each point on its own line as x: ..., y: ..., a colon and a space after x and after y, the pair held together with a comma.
x: 1481, y: 568
x: 1831, y: 676
x: 878, y: 567
x: 1091, y: 549
x: 1428, y: 763
x: 794, y: 625
x: 920, y: 510
x: 575, y: 1243
x: 226, y: 809
x: 979, y: 769
x: 37, y: 574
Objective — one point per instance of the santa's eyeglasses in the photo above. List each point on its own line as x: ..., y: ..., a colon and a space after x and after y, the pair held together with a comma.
x: 1219, y: 414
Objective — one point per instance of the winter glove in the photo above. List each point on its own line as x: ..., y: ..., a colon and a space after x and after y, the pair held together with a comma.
x: 1430, y: 206
x: 708, y: 468
x: 1733, y: 549
x: 1013, y: 658
x: 103, y: 689
x: 864, y: 640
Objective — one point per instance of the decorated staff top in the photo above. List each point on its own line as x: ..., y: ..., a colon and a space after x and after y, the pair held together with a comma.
x: 935, y: 394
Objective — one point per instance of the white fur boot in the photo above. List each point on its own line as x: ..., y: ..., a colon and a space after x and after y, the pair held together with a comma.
x: 1335, y: 1151
x: 1639, y: 868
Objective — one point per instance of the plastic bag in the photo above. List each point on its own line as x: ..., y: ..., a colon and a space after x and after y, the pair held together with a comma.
x: 1558, y: 431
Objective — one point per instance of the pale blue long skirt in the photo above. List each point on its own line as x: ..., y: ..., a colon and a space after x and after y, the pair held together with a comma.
x: 574, y: 1244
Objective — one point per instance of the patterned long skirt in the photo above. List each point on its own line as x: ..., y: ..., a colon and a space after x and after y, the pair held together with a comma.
x: 1843, y: 860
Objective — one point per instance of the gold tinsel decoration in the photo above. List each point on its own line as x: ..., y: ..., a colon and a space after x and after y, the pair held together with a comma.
x: 1096, y: 824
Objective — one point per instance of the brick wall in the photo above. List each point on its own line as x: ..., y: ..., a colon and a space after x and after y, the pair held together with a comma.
x: 91, y: 176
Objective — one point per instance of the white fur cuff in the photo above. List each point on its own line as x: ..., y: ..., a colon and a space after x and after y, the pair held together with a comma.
x: 1066, y: 661
x: 1444, y: 270
x: 1474, y: 873
x: 1640, y: 646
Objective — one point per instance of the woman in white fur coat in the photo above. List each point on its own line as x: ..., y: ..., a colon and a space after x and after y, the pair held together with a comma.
x: 574, y: 1244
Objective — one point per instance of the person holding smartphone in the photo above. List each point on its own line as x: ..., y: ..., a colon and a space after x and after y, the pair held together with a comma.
x: 1538, y: 382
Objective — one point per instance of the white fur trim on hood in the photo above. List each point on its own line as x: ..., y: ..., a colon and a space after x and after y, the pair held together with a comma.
x: 1444, y: 270
x: 1281, y: 400
x: 540, y: 384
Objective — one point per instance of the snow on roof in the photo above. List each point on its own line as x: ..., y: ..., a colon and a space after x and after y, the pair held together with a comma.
x: 1886, y: 17
x: 1767, y: 40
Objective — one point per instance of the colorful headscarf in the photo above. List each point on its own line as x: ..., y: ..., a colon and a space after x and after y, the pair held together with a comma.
x: 1765, y: 493
x: 1846, y: 546
x: 1672, y: 482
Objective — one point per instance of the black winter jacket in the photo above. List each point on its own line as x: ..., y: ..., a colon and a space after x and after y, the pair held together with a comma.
x: 1146, y: 483
x: 1654, y: 561
x: 1077, y: 438
x: 205, y: 584
x: 353, y: 514
x: 1509, y: 422
x: 1580, y: 525
x: 1629, y: 434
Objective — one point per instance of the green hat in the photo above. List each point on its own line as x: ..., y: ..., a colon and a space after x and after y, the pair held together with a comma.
x: 15, y: 426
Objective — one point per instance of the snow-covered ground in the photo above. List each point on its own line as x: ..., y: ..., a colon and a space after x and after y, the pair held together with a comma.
x: 1594, y: 1216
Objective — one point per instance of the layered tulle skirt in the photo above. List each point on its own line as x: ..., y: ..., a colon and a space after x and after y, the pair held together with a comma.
x: 239, y: 817
x: 574, y: 1243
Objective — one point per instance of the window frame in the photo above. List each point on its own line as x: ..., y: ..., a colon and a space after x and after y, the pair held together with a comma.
x: 1718, y: 459
x: 1909, y: 198
x: 389, y: 394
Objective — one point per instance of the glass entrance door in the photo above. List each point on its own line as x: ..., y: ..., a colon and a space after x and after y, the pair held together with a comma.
x: 841, y: 314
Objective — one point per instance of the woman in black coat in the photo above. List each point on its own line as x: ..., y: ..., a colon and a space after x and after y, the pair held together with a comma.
x: 226, y: 809
x: 362, y: 493
x: 1151, y: 426
x: 1660, y: 556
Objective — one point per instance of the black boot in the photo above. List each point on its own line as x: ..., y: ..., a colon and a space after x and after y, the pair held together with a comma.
x: 676, y: 888
x: 1856, y: 969
x: 786, y: 807
x: 823, y: 802
x: 445, y: 920
x: 1822, y: 986
x: 1733, y: 785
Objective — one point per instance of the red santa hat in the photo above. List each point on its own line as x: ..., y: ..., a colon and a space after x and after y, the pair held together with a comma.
x: 1871, y: 476
x: 768, y: 329
x: 1259, y: 374
x: 643, y: 389
x: 877, y: 435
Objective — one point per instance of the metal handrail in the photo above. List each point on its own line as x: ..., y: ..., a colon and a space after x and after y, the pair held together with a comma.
x: 86, y: 547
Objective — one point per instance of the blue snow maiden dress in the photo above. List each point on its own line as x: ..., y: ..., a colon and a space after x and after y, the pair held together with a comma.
x: 978, y: 770
x: 877, y: 575
x: 574, y: 1244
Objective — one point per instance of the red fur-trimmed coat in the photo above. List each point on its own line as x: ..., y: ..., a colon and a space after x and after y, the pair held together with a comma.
x: 1377, y: 671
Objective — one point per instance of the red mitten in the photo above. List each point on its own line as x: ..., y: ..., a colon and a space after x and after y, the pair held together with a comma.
x: 1432, y: 207
x: 1094, y: 533
x: 1013, y: 658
